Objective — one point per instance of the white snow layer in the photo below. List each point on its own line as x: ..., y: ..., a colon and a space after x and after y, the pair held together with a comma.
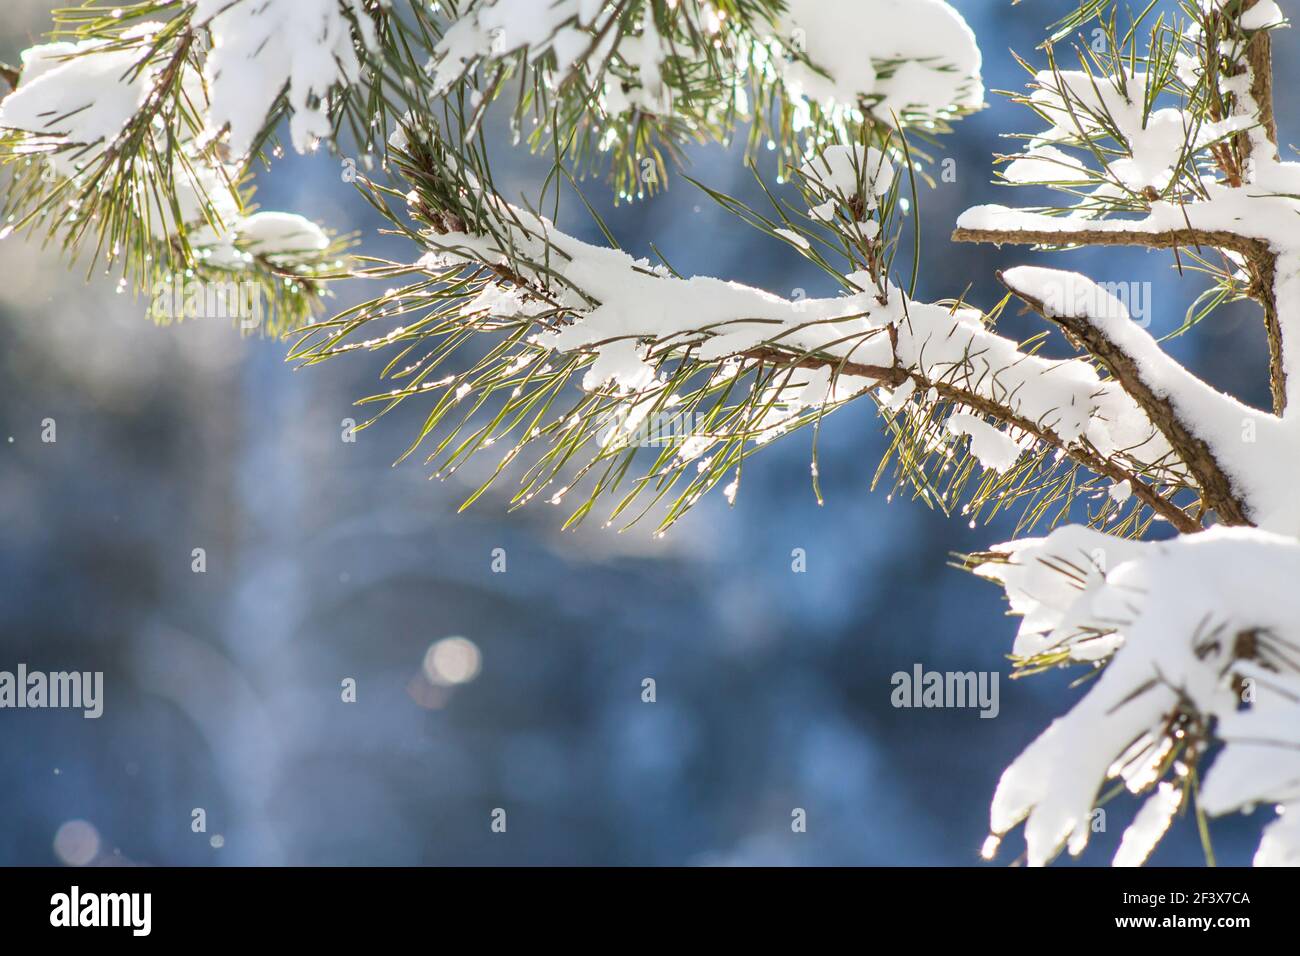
x: 1149, y: 826
x: 628, y: 311
x: 907, y: 54
x: 993, y: 448
x: 916, y: 55
x: 75, y: 98
x: 839, y: 173
x: 83, y: 93
x: 260, y: 49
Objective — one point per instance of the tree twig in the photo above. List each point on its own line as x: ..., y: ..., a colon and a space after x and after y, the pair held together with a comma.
x: 1080, y: 453
x: 1084, y: 236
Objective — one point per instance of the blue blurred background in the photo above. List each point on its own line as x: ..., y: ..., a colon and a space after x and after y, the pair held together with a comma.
x: 324, y: 563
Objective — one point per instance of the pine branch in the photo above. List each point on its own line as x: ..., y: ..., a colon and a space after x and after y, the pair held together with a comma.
x: 1216, y: 488
x: 466, y: 222
x: 1261, y: 263
x: 1054, y: 233
x: 1079, y: 452
x: 896, y: 374
x: 1224, y: 50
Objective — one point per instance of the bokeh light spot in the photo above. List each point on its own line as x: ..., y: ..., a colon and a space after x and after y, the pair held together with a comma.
x: 452, y: 660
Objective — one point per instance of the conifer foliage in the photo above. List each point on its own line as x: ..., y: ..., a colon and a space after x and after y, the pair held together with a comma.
x: 1156, y: 517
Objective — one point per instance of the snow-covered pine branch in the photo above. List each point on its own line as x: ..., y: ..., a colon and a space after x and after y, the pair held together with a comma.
x: 135, y: 139
x: 632, y: 78
x: 1179, y: 645
x: 553, y: 354
x: 743, y: 363
x: 1196, y: 640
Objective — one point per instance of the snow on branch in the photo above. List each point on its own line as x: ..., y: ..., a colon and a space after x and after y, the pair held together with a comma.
x: 1194, y: 640
x: 1183, y: 632
x: 1138, y: 147
x: 622, y: 75
x: 302, y: 49
x: 111, y: 144
x: 914, y: 57
x: 1200, y: 423
x: 1141, y: 171
x: 908, y: 56
x: 741, y: 363
x: 147, y: 122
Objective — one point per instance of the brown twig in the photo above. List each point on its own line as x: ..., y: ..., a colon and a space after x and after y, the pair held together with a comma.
x: 1082, y: 454
x: 1076, y: 452
x: 1263, y: 276
x: 1167, y: 239
x: 1259, y: 60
